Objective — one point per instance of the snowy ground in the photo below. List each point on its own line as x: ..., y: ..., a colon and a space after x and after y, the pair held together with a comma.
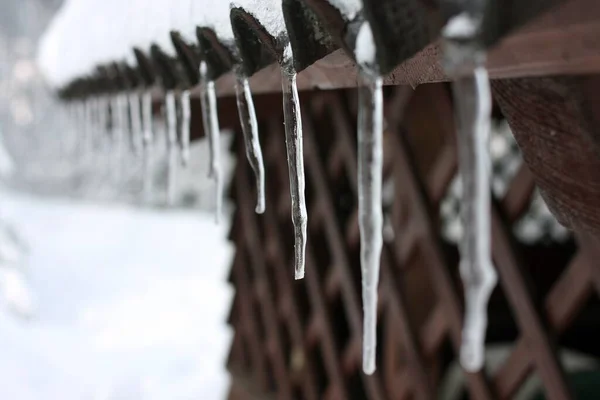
x: 131, y: 304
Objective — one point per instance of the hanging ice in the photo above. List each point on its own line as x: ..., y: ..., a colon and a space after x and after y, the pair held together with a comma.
x: 184, y: 101
x: 136, y: 122
x: 472, y: 99
x: 370, y: 175
x: 295, y: 156
x: 117, y: 119
x: 250, y: 130
x: 210, y: 120
x: 171, y: 146
x: 473, y: 102
x: 147, y: 139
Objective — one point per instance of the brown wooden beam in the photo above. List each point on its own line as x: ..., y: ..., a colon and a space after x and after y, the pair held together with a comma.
x: 562, y: 41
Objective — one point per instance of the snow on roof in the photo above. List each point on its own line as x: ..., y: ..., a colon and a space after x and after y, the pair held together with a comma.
x: 348, y: 8
x: 88, y: 33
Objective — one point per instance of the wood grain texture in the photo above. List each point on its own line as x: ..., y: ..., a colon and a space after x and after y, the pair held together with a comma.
x: 550, y: 118
x: 565, y: 40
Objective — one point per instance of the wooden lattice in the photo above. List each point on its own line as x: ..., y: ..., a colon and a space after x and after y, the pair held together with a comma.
x: 302, y: 340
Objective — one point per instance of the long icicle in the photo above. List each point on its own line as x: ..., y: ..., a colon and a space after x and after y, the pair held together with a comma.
x: 250, y: 130
x: 147, y: 140
x: 295, y: 155
x: 210, y: 118
x: 171, y: 146
x: 184, y: 103
x: 464, y: 57
x: 473, y: 101
x: 370, y: 186
x: 370, y: 166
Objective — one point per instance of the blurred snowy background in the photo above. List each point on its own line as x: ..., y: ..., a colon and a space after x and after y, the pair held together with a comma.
x: 103, y: 296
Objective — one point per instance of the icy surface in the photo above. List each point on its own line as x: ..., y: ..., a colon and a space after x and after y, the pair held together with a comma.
x: 112, y: 322
x: 472, y: 97
x: 171, y: 146
x: 186, y: 114
x: 295, y: 158
x: 250, y: 130
x: 210, y: 118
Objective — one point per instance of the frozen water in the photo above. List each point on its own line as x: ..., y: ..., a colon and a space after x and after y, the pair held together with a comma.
x: 185, y: 126
x: 370, y: 176
x: 295, y: 158
x: 473, y: 103
x: 370, y: 166
x: 171, y: 146
x: 148, y: 145
x: 210, y: 118
x: 136, y: 121
x: 250, y: 130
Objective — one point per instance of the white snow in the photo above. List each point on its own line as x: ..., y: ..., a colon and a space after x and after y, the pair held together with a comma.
x: 365, y: 50
x: 123, y: 312
x: 461, y: 26
x: 268, y: 12
x: 88, y: 33
x: 348, y: 8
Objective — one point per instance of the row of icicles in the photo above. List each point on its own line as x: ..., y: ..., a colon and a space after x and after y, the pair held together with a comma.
x: 472, y: 96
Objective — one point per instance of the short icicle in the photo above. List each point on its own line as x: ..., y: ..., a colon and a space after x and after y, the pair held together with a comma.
x: 136, y: 122
x: 184, y: 103
x: 464, y: 58
x: 147, y: 140
x: 250, y: 130
x: 171, y: 146
x: 210, y: 120
x: 117, y: 122
x: 370, y: 183
x: 295, y: 156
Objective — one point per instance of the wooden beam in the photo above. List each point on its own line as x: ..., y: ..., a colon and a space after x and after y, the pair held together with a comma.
x: 562, y: 41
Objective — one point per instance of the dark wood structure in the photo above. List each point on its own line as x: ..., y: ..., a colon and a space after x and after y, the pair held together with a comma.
x: 301, y: 340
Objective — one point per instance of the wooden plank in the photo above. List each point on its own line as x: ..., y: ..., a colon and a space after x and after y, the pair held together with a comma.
x: 562, y: 41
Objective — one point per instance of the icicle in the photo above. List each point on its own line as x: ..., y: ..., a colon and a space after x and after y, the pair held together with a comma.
x: 473, y: 103
x: 171, y: 146
x: 295, y: 156
x: 117, y: 109
x: 464, y: 59
x: 184, y: 101
x: 370, y: 177
x: 250, y: 130
x: 89, y: 126
x: 210, y: 120
x: 147, y: 140
x: 136, y: 122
